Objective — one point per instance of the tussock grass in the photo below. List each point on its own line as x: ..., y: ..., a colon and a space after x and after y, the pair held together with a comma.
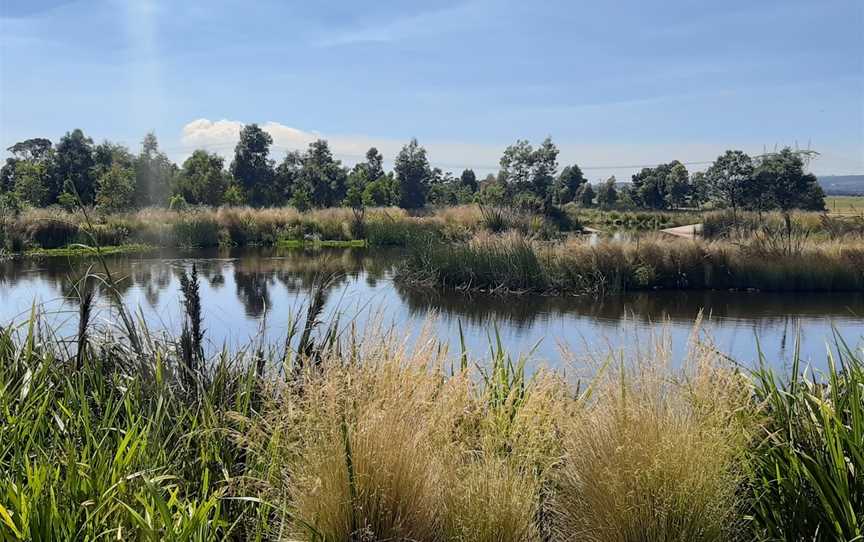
x: 657, y: 454
x: 514, y: 263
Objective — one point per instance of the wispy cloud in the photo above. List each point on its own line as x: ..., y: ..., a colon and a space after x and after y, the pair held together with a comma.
x: 431, y: 22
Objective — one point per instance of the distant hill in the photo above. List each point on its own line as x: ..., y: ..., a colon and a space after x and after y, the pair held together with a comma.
x: 843, y: 185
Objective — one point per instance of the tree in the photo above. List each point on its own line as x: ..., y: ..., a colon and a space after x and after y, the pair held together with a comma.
x: 469, y: 180
x: 74, y: 161
x: 698, y: 189
x: 7, y: 175
x: 115, y: 188
x: 607, y: 194
x: 31, y: 182
x: 413, y: 174
x: 287, y: 177
x: 382, y: 192
x: 651, y: 186
x: 786, y: 186
x: 568, y: 184
x: 107, y: 154
x: 154, y: 173
x: 202, y: 179
x: 785, y: 183
x: 528, y: 174
x: 374, y: 165
x: 323, y: 177
x: 27, y: 172
x: 37, y: 149
x: 677, y: 185
x: 730, y: 177
x: 585, y: 195
x: 252, y: 168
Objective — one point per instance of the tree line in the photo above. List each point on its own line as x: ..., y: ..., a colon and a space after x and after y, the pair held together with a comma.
x: 111, y: 177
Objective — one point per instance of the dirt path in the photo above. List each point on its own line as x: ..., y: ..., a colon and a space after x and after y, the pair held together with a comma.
x: 688, y: 232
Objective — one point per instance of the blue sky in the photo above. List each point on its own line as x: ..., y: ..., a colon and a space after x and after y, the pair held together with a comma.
x: 615, y: 84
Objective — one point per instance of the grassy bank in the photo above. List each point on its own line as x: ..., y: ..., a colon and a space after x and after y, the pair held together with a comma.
x: 514, y: 263
x: 341, y: 437
x: 243, y: 226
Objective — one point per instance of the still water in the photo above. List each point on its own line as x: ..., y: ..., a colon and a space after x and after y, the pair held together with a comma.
x: 248, y: 293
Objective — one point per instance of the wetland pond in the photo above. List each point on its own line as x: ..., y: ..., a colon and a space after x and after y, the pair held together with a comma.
x: 250, y: 293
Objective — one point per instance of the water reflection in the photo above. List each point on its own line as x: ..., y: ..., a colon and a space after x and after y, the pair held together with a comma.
x: 239, y: 287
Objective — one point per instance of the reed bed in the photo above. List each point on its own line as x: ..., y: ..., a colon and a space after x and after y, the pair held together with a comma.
x: 515, y: 263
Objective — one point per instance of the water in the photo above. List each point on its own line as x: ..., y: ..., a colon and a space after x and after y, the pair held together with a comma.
x: 249, y: 292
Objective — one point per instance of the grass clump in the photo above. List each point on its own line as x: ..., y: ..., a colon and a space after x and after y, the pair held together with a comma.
x: 657, y: 454
x: 809, y: 465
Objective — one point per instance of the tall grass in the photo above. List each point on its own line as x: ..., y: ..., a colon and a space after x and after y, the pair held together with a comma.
x: 658, y: 454
x: 809, y: 466
x: 728, y: 225
x: 114, y: 448
x: 514, y: 263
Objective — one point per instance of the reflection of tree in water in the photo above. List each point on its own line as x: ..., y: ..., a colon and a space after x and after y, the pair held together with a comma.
x: 762, y: 309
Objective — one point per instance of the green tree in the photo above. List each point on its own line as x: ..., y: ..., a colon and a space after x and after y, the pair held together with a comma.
x: 607, y: 194
x: 107, y: 154
x: 287, y: 177
x: 323, y: 177
x: 115, y: 188
x: 28, y: 171
x: 37, y: 149
x: 529, y: 173
x: 698, y: 189
x: 677, y: 186
x: 413, y: 174
x: 73, y: 163
x: 202, y: 179
x: 730, y: 178
x: 31, y: 182
x: 651, y: 186
x: 374, y: 164
x: 469, y: 180
x: 785, y: 182
x: 568, y: 184
x: 154, y: 173
x: 7, y: 175
x: 382, y: 192
x: 585, y: 195
x: 252, y: 168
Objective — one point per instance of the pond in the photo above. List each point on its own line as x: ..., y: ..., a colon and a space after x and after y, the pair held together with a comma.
x: 247, y: 293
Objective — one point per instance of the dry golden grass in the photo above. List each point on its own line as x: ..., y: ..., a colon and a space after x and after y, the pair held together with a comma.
x: 657, y: 454
x: 387, y: 444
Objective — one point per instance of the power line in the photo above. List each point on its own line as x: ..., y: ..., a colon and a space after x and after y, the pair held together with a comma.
x: 448, y: 165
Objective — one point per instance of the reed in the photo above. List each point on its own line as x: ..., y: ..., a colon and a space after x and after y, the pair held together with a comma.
x: 809, y: 464
x: 514, y: 263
